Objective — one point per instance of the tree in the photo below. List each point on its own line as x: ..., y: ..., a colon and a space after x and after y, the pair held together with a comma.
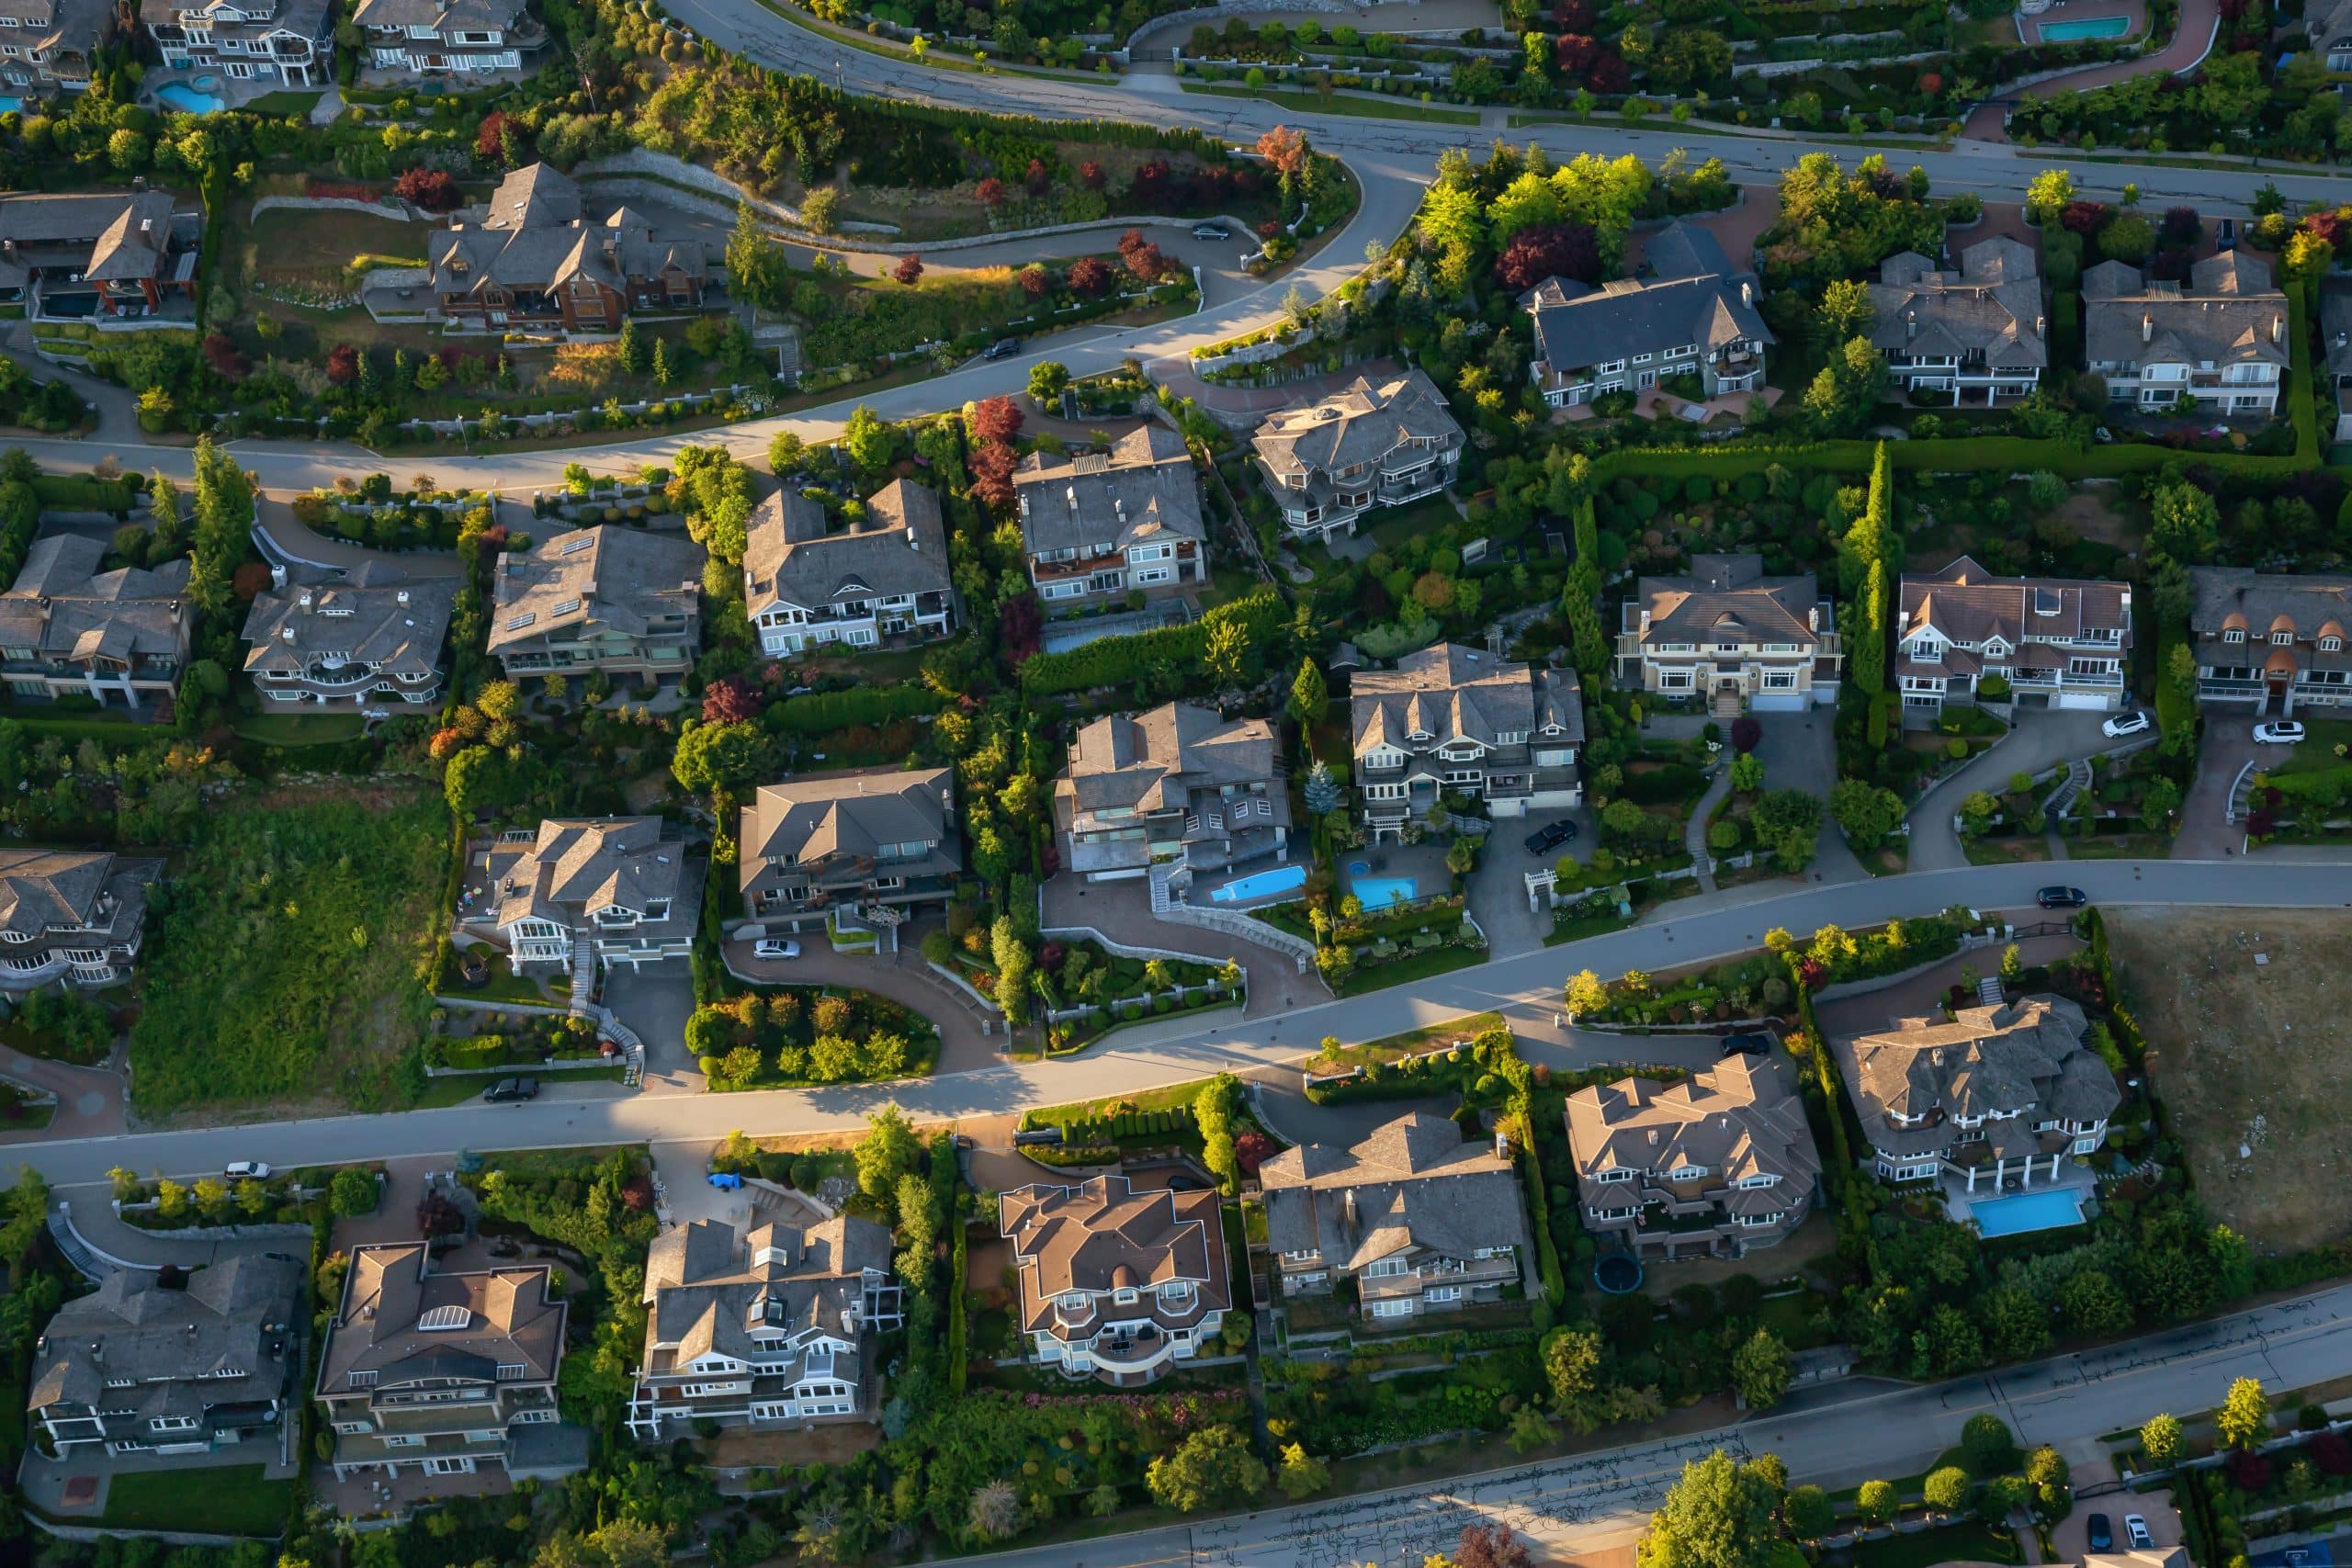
x: 352, y: 1192
x: 223, y: 530
x: 1719, y: 1515
x: 1529, y: 1428
x: 2047, y: 1471
x: 1947, y: 1490
x: 717, y: 756
x: 2184, y: 523
x: 1212, y: 1465
x: 1048, y: 381
x: 1760, y: 1370
x: 1746, y: 773
x: 1845, y: 311
x: 2048, y: 192
x: 1809, y: 1513
x: 1865, y: 812
x: 1985, y: 1439
x: 1571, y: 1357
x: 1228, y: 654
x: 996, y: 1511
x: 1088, y: 277
x: 2243, y: 1419
x: 1876, y: 1501
x: 868, y: 440
x: 994, y: 419
x: 2092, y: 1303
x: 2128, y: 238
x: 1302, y: 1474
x: 1491, y: 1546
x: 2160, y: 1439
x: 1322, y: 789
x: 750, y: 259
x: 908, y: 269
x: 1787, y: 822
x: 888, y: 1150
x: 629, y: 350
x: 1549, y: 249
x: 820, y: 209
x: 1587, y: 994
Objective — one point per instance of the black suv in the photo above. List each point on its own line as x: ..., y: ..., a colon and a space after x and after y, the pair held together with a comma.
x: 506, y: 1089
x: 2062, y: 899
x: 1551, y: 836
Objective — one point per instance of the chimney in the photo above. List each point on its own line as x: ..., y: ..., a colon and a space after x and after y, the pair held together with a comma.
x: 1910, y: 325
x: 1748, y: 293
x: 1645, y: 620
x: 2147, y: 326
x: 401, y: 598
x: 2339, y: 340
x: 286, y: 634
x: 277, y: 577
x: 2039, y: 323
x: 1069, y: 493
x: 146, y: 225
x: 306, y: 600
x: 1347, y: 1214
x: 1813, y: 618
x: 2278, y: 325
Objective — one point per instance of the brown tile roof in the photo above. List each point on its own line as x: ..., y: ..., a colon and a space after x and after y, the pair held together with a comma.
x: 1736, y: 1119
x: 1965, y: 604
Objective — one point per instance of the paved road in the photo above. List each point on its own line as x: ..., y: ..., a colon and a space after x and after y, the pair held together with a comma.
x: 1527, y: 987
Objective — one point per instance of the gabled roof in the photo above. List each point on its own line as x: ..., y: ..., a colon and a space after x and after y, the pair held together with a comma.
x: 709, y: 1293
x: 1143, y: 490
x: 1692, y: 298
x: 1737, y: 1120
x: 445, y: 17
x: 1155, y: 760
x: 1412, y: 1183
x: 1989, y: 310
x: 1964, y: 602
x: 816, y: 819
x: 612, y: 576
x: 1101, y: 1236
x: 579, y: 865
x: 391, y: 1322
x: 228, y: 1333
x: 1726, y: 598
x: 2229, y: 313
x: 2023, y: 1059
x: 1449, y: 691
x: 67, y: 609
x: 1360, y: 424
x: 789, y: 559
x: 374, y: 614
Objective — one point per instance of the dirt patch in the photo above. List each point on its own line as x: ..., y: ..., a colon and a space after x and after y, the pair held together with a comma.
x: 2091, y: 512
x: 829, y: 1442
x: 2253, y: 1059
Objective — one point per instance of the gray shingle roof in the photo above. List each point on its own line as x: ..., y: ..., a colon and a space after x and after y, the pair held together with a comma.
x: 1156, y: 758
x: 504, y: 1316
x: 1415, y: 1182
x: 1726, y: 597
x: 2229, y: 313
x: 1989, y: 310
x: 708, y: 1292
x: 2025, y: 1059
x: 534, y: 236
x: 824, y: 820
x: 1737, y: 1120
x: 66, y: 608
x: 375, y: 614
x: 2259, y: 604
x: 791, y: 560
x: 1449, y: 691
x: 614, y: 576
x: 1691, y: 297
x: 442, y: 17
x: 1400, y: 420
x: 1144, y: 488
x: 47, y: 890
x: 236, y: 1316
x: 1965, y: 604
x: 579, y: 865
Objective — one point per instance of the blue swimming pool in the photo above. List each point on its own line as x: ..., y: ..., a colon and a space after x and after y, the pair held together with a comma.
x: 1380, y: 892
x: 2090, y: 26
x: 2044, y: 1211
x: 1261, y: 885
x: 185, y: 100
x: 12, y: 105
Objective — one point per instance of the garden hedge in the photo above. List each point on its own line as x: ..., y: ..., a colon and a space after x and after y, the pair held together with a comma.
x: 1118, y: 660
x: 822, y: 712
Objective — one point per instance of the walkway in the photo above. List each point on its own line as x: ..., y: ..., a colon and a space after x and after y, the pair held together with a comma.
x: 2192, y: 39
x: 117, y: 411
x: 1695, y: 833
x: 89, y: 1099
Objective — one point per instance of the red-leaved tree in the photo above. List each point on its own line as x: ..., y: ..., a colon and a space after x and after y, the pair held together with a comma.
x: 1038, y: 178
x: 1284, y: 148
x: 909, y: 270
x: 435, y: 190
x: 731, y: 701
x: 992, y: 467
x: 996, y: 419
x: 489, y: 140
x: 1036, y: 281
x: 343, y: 364
x: 1019, y: 629
x: 1146, y: 263
x: 1549, y: 249
x: 1088, y: 277
x: 1090, y: 175
x: 992, y: 191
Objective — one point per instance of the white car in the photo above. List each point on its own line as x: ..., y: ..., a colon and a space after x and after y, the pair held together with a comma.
x: 2135, y: 1529
x: 247, y: 1170
x: 775, y: 947
x: 2278, y: 732
x: 2125, y: 724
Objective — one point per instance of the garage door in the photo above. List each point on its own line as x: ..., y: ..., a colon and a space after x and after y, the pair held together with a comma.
x: 1778, y: 701
x: 1507, y: 807
x: 2090, y: 700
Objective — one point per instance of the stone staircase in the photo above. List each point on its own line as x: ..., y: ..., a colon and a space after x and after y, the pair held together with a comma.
x: 2063, y: 799
x: 609, y: 1024
x: 1988, y: 991
x: 1161, y: 900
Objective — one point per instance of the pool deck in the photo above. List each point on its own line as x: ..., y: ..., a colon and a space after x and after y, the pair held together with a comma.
x: 1423, y: 866
x: 2071, y: 1179
x: 2029, y: 28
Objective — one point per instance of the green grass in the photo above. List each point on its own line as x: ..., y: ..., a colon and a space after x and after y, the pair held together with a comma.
x: 505, y: 986
x: 1967, y: 1541
x: 289, y: 102
x: 1167, y: 1098
x: 226, y: 1500
x: 2021, y: 849
x: 300, y: 729
x: 2317, y: 752
x: 1391, y: 1046
x: 1337, y: 104
x: 465, y: 1088
x: 1412, y: 966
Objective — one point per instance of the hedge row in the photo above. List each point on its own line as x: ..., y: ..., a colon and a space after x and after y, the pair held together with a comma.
x: 1539, y: 1207
x: 83, y: 492
x: 822, y: 712
x: 959, y: 1355
x: 1117, y: 660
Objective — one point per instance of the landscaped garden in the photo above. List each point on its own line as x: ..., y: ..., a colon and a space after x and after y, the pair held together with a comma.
x: 789, y: 1036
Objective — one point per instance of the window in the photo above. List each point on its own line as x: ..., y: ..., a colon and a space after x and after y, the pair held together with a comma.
x: 2234, y: 634
x: 513, y: 1372
x: 403, y: 1440
x: 174, y: 1422
x: 2331, y: 644
x: 441, y: 1317
x: 1392, y: 1309
x: 354, y: 1428
x: 2282, y: 639
x: 1443, y: 1293
x: 1383, y: 1268
x: 363, y: 1379
x: 533, y: 1418
x: 1305, y: 1256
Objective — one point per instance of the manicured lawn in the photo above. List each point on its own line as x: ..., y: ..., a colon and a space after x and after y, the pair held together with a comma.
x: 505, y: 986
x: 1168, y: 1098
x: 1967, y: 1541
x: 1389, y: 1047
x: 300, y: 729
x: 1412, y: 966
x: 2317, y: 753
x: 287, y: 244
x: 465, y: 1088
x: 1392, y: 525
x: 231, y: 1500
x: 290, y: 102
x: 2020, y: 851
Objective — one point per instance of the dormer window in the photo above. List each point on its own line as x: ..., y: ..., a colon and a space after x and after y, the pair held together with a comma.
x: 2282, y: 639
x: 2331, y: 644
x: 2234, y: 634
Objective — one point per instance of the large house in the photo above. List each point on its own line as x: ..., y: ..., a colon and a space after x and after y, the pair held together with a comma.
x: 1977, y: 334
x: 1116, y: 1284
x: 804, y: 586
x: 2272, y: 642
x: 1996, y: 1093
x: 53, y: 44
x: 617, y: 889
x: 1328, y: 463
x: 2220, y: 341
x: 1692, y: 316
x: 534, y: 261
x: 432, y: 37
x: 362, y: 638
x: 761, y: 1331
x: 612, y: 599
x: 247, y: 40
x: 1421, y: 1219
x: 73, y: 917
x: 1719, y: 1164
x: 1106, y: 523
x: 2328, y: 25
x: 445, y: 1373
x: 1731, y: 636
x: 1452, y: 720
x: 2336, y: 331
x: 68, y: 629
x: 2058, y: 644
x: 859, y: 850
x: 197, y: 1366
x: 124, y: 253
x: 1181, y: 783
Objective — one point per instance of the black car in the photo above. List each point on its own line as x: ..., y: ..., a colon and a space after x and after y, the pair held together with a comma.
x: 1748, y: 1045
x: 1002, y: 348
x: 2102, y: 1534
x: 2227, y: 239
x: 1028, y: 1135
x: 2062, y: 899
x: 1551, y: 836
x: 506, y: 1089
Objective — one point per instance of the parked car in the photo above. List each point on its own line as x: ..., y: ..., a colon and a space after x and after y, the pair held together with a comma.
x: 726, y: 1180
x: 2062, y: 899
x: 775, y: 947
x: 1211, y: 231
x: 1551, y: 836
x: 1002, y: 348
x: 2125, y: 724
x: 1748, y: 1045
x: 2278, y: 732
x: 1028, y: 1135
x: 512, y: 1089
x: 2227, y: 237
x: 247, y: 1170
x: 2135, y: 1530
x: 2102, y: 1534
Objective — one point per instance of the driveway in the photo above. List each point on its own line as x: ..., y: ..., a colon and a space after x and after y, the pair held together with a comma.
x: 1498, y: 889
x: 903, y: 976
x: 2040, y: 739
x: 656, y: 1003
x: 2192, y: 39
x: 1122, y: 911
x: 1799, y: 750
x: 2227, y: 746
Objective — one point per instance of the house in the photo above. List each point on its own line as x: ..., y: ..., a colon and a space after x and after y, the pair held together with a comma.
x: 2058, y: 644
x: 68, y: 629
x: 621, y: 889
x: 2336, y: 331
x: 2220, y: 342
x: 2270, y: 641
x: 1453, y: 720
x: 1692, y: 316
x: 762, y: 1330
x: 1116, y: 1284
x: 1998, y: 1092
x: 1420, y: 1218
x: 1107, y: 522
x: 1719, y: 1164
x: 1730, y: 635
x: 888, y: 578
x: 360, y: 638
x: 120, y: 254
x: 1328, y: 463
x: 431, y: 38
x: 1178, y: 783
x: 612, y: 599
x: 247, y: 40
x: 172, y: 1365
x: 859, y: 850
x: 72, y: 917
x: 535, y: 261
x: 53, y: 44
x: 2329, y: 26
x: 1977, y: 334
x: 446, y: 1373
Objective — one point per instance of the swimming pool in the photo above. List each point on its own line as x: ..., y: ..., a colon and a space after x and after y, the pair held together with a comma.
x: 1261, y: 885
x: 1381, y: 892
x: 2044, y: 1211
x: 2090, y: 26
x: 11, y: 105
x: 185, y: 100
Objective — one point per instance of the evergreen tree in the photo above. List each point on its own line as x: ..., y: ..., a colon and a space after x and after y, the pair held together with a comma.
x: 632, y: 349
x: 660, y: 363
x: 750, y: 259
x: 1309, y: 693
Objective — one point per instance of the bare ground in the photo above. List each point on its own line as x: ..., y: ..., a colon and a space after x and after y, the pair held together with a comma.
x: 2253, y: 1059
